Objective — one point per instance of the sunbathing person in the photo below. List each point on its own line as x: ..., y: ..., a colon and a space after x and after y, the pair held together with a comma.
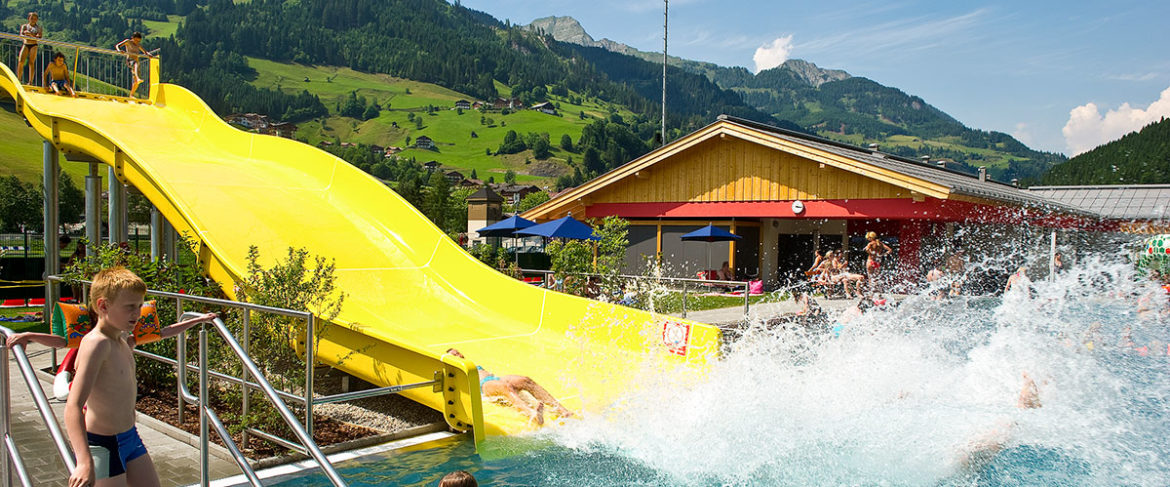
x: 510, y: 386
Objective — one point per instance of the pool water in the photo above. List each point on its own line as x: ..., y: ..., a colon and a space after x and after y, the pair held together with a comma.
x: 924, y: 393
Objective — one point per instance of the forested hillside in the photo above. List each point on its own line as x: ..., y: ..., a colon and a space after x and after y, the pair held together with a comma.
x: 1141, y: 157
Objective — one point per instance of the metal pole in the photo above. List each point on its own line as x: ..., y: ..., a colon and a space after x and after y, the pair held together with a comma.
x: 171, y: 245
x: 5, y: 401
x: 52, y: 171
x: 115, y: 207
x: 665, y: 19
x: 204, y: 470
x: 310, y: 357
x: 684, y: 299
x: 93, y: 207
x: 181, y: 358
x: 156, y: 234
x: 244, y: 384
x: 746, y: 298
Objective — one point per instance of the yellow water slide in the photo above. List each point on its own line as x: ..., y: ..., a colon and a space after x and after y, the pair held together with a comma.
x: 412, y: 293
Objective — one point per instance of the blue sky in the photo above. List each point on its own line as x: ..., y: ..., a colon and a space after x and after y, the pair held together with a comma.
x: 1060, y: 76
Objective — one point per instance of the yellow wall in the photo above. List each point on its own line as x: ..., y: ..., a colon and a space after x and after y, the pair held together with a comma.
x: 730, y: 169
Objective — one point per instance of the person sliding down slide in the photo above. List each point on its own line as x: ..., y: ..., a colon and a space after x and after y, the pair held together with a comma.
x: 510, y: 386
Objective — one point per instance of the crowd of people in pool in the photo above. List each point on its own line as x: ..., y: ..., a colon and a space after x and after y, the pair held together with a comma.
x: 57, y: 78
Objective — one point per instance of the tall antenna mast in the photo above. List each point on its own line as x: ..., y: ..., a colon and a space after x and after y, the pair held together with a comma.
x: 665, y: 18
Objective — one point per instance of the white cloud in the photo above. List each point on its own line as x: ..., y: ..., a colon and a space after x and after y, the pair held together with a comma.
x: 774, y: 54
x: 1088, y: 128
x: 1023, y: 133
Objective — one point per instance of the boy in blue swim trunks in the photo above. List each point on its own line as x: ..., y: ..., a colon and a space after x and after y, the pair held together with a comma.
x: 57, y: 77
x: 106, y: 387
x: 510, y: 386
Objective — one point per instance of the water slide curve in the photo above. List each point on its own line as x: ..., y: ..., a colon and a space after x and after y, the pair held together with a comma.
x: 412, y: 293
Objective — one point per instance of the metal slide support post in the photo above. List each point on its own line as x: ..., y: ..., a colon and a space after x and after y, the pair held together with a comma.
x: 93, y: 207
x: 310, y: 357
x: 52, y: 172
x: 113, y: 219
x: 156, y: 234
x: 171, y: 243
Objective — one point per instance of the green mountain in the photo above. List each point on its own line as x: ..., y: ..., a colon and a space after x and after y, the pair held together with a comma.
x: 836, y: 105
x: 1141, y: 157
x: 386, y: 72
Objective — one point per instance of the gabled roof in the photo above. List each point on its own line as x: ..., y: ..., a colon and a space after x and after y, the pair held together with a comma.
x: 485, y: 194
x: 1120, y: 202
x: 916, y: 176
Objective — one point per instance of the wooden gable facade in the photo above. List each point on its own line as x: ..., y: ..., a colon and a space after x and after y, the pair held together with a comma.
x: 726, y: 162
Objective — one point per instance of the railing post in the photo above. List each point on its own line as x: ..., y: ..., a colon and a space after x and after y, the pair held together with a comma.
x: 181, y: 358
x: 245, y: 403
x: 310, y: 356
x: 204, y: 474
x: 684, y: 313
x: 5, y: 426
x: 746, y: 297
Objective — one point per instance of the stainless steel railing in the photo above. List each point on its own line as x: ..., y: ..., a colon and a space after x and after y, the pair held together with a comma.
x: 686, y: 284
x: 95, y: 71
x: 9, y: 454
x: 208, y: 416
x: 249, y: 379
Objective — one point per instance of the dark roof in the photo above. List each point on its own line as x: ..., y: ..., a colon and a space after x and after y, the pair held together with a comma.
x: 485, y: 194
x: 958, y: 182
x: 1122, y: 202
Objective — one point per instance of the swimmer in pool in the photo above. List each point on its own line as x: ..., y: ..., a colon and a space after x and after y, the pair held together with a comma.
x: 510, y: 386
x: 980, y: 451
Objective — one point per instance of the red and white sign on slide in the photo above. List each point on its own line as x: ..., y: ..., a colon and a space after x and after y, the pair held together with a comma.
x: 675, y: 336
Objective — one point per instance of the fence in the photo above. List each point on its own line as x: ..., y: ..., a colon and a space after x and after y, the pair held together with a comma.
x: 94, y: 71
x: 246, y: 381
x: 685, y: 285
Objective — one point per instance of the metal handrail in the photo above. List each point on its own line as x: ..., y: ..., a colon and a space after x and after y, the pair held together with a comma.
x: 746, y: 285
x: 307, y: 445
x: 72, y: 45
x: 8, y: 450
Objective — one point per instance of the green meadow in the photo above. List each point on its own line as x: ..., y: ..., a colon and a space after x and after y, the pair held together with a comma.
x: 462, y: 140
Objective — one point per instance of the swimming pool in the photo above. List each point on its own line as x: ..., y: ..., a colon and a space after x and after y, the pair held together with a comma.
x: 903, y: 396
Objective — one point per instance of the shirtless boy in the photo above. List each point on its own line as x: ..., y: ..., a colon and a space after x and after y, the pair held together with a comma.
x: 99, y: 414
x: 133, y: 49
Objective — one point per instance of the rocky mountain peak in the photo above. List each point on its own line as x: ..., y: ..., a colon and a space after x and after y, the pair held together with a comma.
x: 811, y: 74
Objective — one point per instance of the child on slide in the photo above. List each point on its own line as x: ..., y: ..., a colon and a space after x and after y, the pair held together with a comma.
x: 132, y: 47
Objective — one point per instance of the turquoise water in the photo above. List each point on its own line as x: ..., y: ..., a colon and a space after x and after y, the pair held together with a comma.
x: 922, y: 394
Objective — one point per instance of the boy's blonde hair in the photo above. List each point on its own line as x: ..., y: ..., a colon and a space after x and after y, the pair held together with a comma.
x: 109, y: 282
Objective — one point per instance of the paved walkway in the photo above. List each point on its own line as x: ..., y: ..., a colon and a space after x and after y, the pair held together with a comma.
x: 177, y: 461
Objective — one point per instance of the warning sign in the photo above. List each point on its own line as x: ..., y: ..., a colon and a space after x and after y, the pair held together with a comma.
x: 675, y: 336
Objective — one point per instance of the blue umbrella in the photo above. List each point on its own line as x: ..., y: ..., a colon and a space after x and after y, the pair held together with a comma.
x: 506, y: 228
x: 710, y: 233
x: 567, y: 227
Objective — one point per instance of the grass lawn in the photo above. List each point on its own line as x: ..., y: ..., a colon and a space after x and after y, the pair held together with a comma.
x: 21, y: 150
x: 18, y: 327
x: 161, y: 29
x: 671, y: 302
x: 452, y: 131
